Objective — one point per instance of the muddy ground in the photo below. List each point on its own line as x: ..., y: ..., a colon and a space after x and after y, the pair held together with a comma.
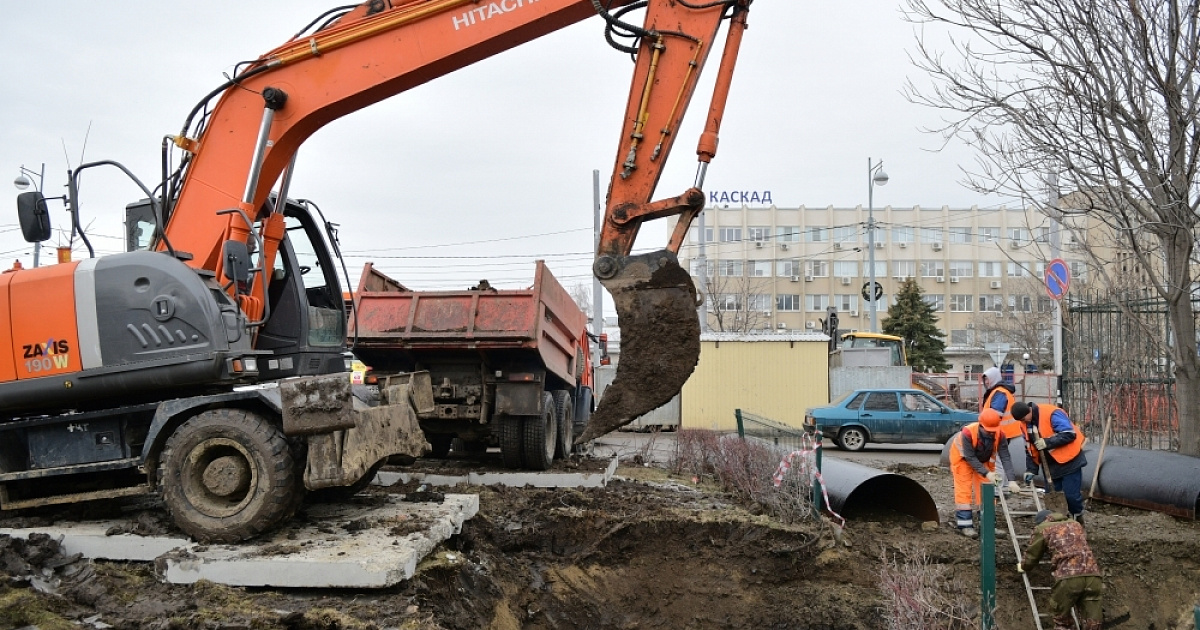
x: 648, y: 551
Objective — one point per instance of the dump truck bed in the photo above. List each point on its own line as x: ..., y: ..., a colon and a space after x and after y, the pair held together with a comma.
x: 397, y: 328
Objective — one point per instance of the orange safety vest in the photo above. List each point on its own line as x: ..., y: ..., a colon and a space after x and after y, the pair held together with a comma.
x: 1010, y: 426
x: 1061, y: 454
x: 972, y: 431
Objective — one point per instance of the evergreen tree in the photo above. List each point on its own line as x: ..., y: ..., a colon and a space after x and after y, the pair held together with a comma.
x: 913, y: 319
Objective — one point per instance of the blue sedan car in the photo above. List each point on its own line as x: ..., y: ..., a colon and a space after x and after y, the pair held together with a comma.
x: 892, y: 416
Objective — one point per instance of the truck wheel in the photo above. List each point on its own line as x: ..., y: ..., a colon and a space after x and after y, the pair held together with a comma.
x: 440, y: 444
x: 227, y: 475
x: 541, y: 436
x: 511, y: 430
x: 564, y: 414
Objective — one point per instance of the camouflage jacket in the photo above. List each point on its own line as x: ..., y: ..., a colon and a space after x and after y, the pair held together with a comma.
x: 1069, y: 551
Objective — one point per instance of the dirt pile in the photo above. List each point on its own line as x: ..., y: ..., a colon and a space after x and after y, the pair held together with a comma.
x: 648, y: 551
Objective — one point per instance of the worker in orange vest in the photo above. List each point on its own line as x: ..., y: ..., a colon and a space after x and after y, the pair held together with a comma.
x: 1062, y: 442
x: 973, y: 454
x: 1000, y: 396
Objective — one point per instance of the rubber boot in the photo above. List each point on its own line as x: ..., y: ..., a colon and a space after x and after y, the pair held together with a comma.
x: 965, y: 523
x: 1078, y: 518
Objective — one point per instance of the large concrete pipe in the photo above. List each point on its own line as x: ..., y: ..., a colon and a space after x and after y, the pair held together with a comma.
x: 1161, y: 481
x: 855, y: 490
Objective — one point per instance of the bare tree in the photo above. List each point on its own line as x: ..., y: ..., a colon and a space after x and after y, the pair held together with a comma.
x: 1100, y: 97
x: 1024, y: 323
x: 736, y: 303
x: 582, y: 294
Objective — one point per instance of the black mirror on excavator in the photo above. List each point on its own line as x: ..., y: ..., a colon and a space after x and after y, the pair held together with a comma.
x: 237, y: 263
x: 34, y: 216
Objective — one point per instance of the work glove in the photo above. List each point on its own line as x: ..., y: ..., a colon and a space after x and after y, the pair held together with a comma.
x: 1028, y: 478
x: 1014, y: 486
x: 1020, y: 568
x: 1039, y: 444
x: 993, y: 478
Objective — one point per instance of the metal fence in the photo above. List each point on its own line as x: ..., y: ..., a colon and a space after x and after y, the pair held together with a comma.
x: 962, y: 390
x: 771, y: 431
x: 1116, y: 364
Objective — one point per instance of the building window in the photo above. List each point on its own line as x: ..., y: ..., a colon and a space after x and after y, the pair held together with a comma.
x: 990, y: 269
x: 931, y: 235
x: 787, y: 234
x: 1020, y: 236
x: 902, y: 234
x: 817, y: 303
x: 817, y: 268
x: 880, y: 269
x: 1043, y: 235
x: 730, y: 268
x: 1079, y: 271
x: 1019, y: 269
x: 1020, y: 303
x: 786, y: 268
x: 905, y: 268
x: 759, y: 268
x: 960, y: 269
x: 989, y: 234
x: 695, y: 230
x: 729, y: 301
x: 960, y: 235
x: 963, y: 338
x: 991, y: 302
x: 1045, y: 304
x: 845, y: 268
x: 731, y: 235
x: 961, y: 303
x: 758, y: 302
x: 847, y: 302
x: 845, y: 234
x: 787, y: 302
x: 816, y: 235
x: 936, y: 300
x: 759, y: 234
x: 708, y: 272
x: 932, y: 268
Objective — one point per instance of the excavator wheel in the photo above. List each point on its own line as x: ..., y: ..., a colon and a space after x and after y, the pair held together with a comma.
x: 227, y: 475
x: 564, y: 414
x: 512, y: 434
x: 656, y: 304
x: 541, y: 436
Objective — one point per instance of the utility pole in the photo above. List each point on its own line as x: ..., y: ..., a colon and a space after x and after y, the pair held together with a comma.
x: 597, y: 290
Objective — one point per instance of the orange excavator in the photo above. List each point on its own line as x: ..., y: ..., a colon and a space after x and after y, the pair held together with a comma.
x: 207, y: 362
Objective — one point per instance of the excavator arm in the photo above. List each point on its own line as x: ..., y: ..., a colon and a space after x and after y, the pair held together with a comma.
x: 384, y: 47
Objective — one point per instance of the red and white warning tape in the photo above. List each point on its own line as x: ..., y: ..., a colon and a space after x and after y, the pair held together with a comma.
x: 805, y: 462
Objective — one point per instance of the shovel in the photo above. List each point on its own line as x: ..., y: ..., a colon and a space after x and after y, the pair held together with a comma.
x: 1054, y: 501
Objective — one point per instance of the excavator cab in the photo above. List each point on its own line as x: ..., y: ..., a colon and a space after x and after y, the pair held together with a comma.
x: 305, y: 324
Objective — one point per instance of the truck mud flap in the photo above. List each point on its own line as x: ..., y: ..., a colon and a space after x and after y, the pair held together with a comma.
x: 342, y: 457
x: 656, y: 304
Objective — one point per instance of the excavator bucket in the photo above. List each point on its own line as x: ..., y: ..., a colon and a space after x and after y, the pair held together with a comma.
x: 660, y: 336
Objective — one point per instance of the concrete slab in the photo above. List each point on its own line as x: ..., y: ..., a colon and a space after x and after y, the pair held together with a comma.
x: 90, y: 540
x: 363, y: 543
x: 516, y: 478
x: 339, y: 546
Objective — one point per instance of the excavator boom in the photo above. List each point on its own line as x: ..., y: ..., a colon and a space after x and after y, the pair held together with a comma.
x: 382, y: 48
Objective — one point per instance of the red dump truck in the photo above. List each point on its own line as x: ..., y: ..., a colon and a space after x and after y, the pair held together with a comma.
x: 507, y: 368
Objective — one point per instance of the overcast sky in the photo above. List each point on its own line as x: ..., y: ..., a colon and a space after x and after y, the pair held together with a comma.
x: 475, y: 174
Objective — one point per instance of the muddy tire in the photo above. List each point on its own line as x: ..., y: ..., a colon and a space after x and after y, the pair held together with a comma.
x: 852, y: 439
x: 564, y: 415
x: 228, y: 475
x: 511, y: 434
x: 440, y: 445
x: 540, y: 436
x: 584, y: 404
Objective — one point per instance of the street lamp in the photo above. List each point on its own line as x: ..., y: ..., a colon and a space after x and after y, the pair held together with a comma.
x: 875, y: 175
x: 22, y: 182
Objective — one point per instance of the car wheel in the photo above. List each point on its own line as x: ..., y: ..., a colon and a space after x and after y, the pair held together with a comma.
x: 852, y: 439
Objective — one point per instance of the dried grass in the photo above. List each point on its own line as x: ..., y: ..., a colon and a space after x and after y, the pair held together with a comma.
x: 919, y: 595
